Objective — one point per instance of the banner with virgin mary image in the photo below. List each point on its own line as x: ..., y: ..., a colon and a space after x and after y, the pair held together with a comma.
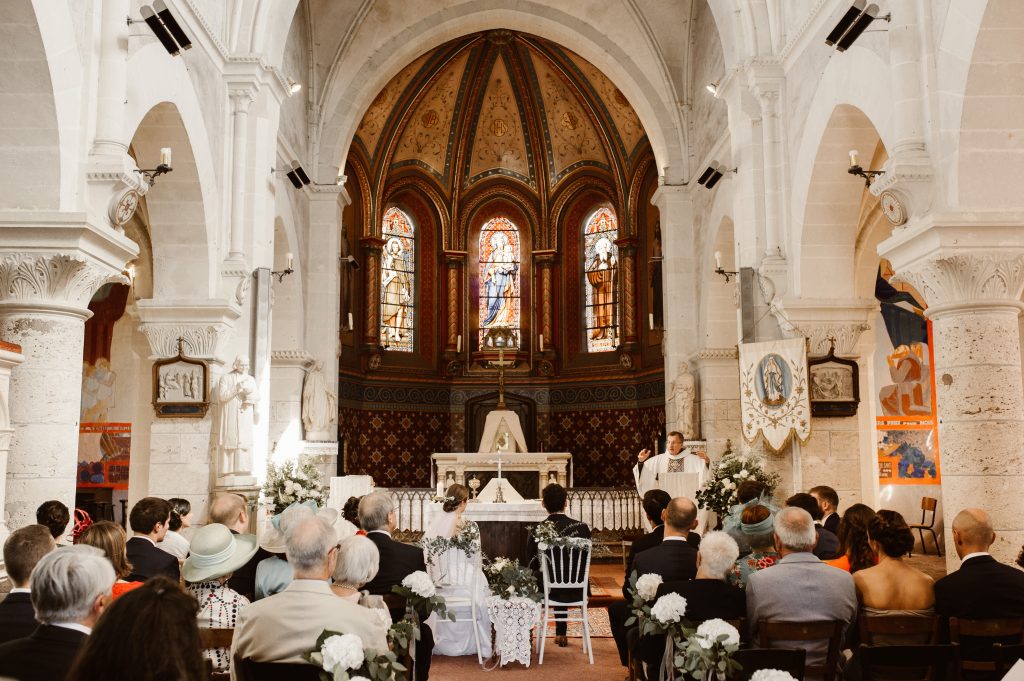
x: 774, y: 399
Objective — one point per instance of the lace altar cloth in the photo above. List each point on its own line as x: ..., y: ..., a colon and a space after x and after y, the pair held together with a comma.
x: 513, y: 620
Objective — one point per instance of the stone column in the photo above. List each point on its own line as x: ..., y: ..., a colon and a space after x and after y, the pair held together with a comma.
x: 629, y: 338
x: 768, y: 90
x: 242, y: 96
x: 974, y: 301
x: 545, y: 261
x: 10, y: 357
x: 371, y: 337
x: 454, y: 263
x: 49, y: 269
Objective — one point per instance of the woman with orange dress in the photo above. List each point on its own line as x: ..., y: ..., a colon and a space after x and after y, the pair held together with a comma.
x: 855, y: 552
x: 111, y: 539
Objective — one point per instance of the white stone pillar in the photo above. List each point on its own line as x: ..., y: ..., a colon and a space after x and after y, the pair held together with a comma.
x: 323, y: 282
x: 768, y: 91
x: 241, y: 98
x: 10, y: 357
x: 112, y: 78
x: 971, y: 274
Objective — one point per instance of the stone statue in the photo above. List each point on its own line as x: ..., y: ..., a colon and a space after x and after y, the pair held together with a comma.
x: 683, y: 398
x: 237, y: 397
x: 319, y: 406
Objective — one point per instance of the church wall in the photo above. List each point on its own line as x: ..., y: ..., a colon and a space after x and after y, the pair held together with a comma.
x: 708, y: 114
x: 295, y: 65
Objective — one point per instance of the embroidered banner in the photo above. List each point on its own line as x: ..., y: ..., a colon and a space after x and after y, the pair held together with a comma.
x: 774, y: 398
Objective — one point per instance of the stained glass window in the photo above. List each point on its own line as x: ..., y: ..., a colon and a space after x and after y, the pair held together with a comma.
x: 601, y: 260
x: 398, y: 282
x: 499, y: 278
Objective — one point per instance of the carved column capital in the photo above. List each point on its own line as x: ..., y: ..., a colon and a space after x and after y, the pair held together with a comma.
x: 61, y: 281
x: 969, y: 279
x: 204, y: 326
x: 819, y: 319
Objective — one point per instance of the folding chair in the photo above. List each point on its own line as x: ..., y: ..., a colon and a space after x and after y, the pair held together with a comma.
x: 565, y: 568
x: 905, y: 629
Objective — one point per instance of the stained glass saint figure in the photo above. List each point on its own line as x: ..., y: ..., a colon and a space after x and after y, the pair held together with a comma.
x: 397, y: 292
x: 499, y: 276
x: 601, y: 263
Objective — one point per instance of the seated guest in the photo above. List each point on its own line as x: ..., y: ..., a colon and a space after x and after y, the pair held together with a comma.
x: 175, y: 543
x: 358, y: 563
x: 748, y: 493
x: 855, y: 553
x: 893, y: 587
x: 350, y: 512
x: 554, y: 497
x: 674, y: 559
x: 758, y: 526
x: 397, y: 561
x: 228, y: 509
x: 215, y: 554
x: 799, y: 588
x: 149, y: 520
x: 273, y: 574
x: 22, y: 550
x: 827, y: 545
x: 828, y: 502
x: 982, y: 588
x: 284, y: 627
x: 70, y: 589
x: 708, y: 595
x: 55, y: 516
x: 111, y: 539
x: 150, y: 634
x: 655, y: 502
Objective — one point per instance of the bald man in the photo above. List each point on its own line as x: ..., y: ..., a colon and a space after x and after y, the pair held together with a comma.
x: 982, y: 588
x: 674, y: 558
x: 229, y: 509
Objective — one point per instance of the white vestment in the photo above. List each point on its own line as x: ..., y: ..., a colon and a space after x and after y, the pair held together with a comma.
x: 655, y: 468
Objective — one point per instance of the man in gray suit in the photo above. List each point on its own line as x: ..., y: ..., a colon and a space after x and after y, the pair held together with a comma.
x: 799, y: 588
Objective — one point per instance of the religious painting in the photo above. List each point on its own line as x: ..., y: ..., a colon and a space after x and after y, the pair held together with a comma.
x: 181, y: 386
x: 104, y: 453
x: 600, y: 256
x: 397, y: 282
x: 499, y: 280
x: 774, y: 392
x: 835, y: 385
x: 908, y: 456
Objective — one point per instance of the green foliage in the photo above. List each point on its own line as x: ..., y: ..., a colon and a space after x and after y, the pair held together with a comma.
x: 508, y: 579
x: 292, y: 481
x: 719, y: 494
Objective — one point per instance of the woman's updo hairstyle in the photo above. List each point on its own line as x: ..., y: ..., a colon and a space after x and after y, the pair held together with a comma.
x: 453, y: 496
x: 890, y: 530
x: 179, y: 509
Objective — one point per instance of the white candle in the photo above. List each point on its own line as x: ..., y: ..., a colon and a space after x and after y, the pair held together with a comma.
x: 165, y: 156
x: 290, y: 260
x: 458, y: 344
x: 440, y: 488
x: 542, y: 342
x: 853, y: 158
x: 351, y: 325
x: 650, y: 320
x: 718, y: 260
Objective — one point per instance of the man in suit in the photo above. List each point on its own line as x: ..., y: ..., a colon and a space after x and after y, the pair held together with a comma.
x: 553, y: 498
x: 799, y: 588
x: 149, y: 520
x: 70, y: 589
x: 397, y: 561
x: 674, y: 559
x: 229, y: 509
x: 22, y: 550
x: 827, y: 545
x: 285, y: 626
x: 982, y: 588
x: 828, y: 502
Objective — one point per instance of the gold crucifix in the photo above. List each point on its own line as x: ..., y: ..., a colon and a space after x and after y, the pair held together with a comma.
x: 501, y: 364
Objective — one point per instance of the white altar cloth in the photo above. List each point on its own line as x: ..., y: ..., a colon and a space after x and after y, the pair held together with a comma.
x: 529, y: 511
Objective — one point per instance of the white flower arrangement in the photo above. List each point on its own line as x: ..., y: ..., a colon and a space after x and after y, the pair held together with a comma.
x: 719, y: 493
x: 707, y: 652
x: 508, y: 579
x: 419, y: 589
x: 344, y: 652
x: 342, y: 658
x: 547, y: 535
x: 647, y: 586
x: 712, y: 631
x: 771, y: 675
x: 419, y: 583
x: 292, y: 481
x: 669, y: 609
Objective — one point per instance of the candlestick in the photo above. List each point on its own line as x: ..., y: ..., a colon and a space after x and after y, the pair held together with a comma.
x: 853, y: 158
x: 542, y: 342
x: 650, y: 320
x: 165, y: 156
x: 718, y: 260
x: 290, y: 260
x: 458, y: 344
x: 351, y: 325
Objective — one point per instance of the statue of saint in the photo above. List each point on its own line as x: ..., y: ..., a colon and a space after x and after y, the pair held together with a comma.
x: 319, y: 405
x: 683, y: 398
x: 237, y: 397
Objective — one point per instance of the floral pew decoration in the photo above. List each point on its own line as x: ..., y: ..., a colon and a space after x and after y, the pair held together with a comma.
x: 514, y: 608
x: 704, y: 652
x: 342, y: 658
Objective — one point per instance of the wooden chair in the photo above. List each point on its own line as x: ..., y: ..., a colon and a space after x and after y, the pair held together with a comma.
x: 830, y: 630
x: 400, y: 606
x: 933, y: 662
x: 928, y: 505
x: 215, y: 638
x: 979, y: 657
x: 275, y: 671
x: 1006, y: 656
x: 783, y: 659
x: 912, y: 630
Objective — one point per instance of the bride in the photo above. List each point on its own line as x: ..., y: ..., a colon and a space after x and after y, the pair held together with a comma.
x: 451, y: 546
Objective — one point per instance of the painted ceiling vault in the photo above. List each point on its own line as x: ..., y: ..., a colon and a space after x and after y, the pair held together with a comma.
x: 504, y: 105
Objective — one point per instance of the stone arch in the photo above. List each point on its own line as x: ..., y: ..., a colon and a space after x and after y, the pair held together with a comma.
x: 183, y: 247
x: 362, y: 69
x: 991, y: 126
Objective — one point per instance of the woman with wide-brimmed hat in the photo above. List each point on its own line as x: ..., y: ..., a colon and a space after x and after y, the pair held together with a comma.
x: 215, y: 554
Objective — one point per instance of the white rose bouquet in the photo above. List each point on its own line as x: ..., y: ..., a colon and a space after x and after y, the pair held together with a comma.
x: 719, y: 493
x: 707, y: 652
x: 419, y: 590
x: 508, y: 579
x: 669, y: 609
x: 342, y: 658
x: 292, y: 481
x: 647, y: 586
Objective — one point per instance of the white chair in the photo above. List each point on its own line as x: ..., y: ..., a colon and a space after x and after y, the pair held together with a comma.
x: 565, y: 567
x: 456, y: 576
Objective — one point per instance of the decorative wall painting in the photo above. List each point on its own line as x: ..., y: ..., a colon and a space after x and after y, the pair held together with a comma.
x: 908, y: 456
x: 104, y: 454
x: 774, y: 394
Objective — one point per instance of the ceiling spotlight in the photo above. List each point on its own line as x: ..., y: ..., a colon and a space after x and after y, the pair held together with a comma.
x: 856, y: 19
x: 297, y: 176
x: 293, y: 87
x: 712, y: 88
x: 165, y: 27
x: 712, y: 174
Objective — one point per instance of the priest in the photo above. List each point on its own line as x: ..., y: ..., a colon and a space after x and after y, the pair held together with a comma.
x: 648, y: 470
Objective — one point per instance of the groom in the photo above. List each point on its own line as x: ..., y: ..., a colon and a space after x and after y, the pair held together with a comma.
x: 397, y: 561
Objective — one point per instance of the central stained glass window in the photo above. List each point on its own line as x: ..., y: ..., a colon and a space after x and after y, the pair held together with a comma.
x: 500, y: 290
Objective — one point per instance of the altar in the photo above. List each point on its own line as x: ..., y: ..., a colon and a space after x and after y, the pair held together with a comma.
x: 527, y: 472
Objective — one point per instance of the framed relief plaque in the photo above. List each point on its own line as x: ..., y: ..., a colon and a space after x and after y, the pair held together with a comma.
x: 181, y: 386
x: 834, y: 385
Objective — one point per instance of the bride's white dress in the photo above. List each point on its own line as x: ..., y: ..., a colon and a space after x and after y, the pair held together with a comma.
x: 458, y: 576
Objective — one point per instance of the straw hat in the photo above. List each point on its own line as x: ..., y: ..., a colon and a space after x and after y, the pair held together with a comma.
x: 215, y: 552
